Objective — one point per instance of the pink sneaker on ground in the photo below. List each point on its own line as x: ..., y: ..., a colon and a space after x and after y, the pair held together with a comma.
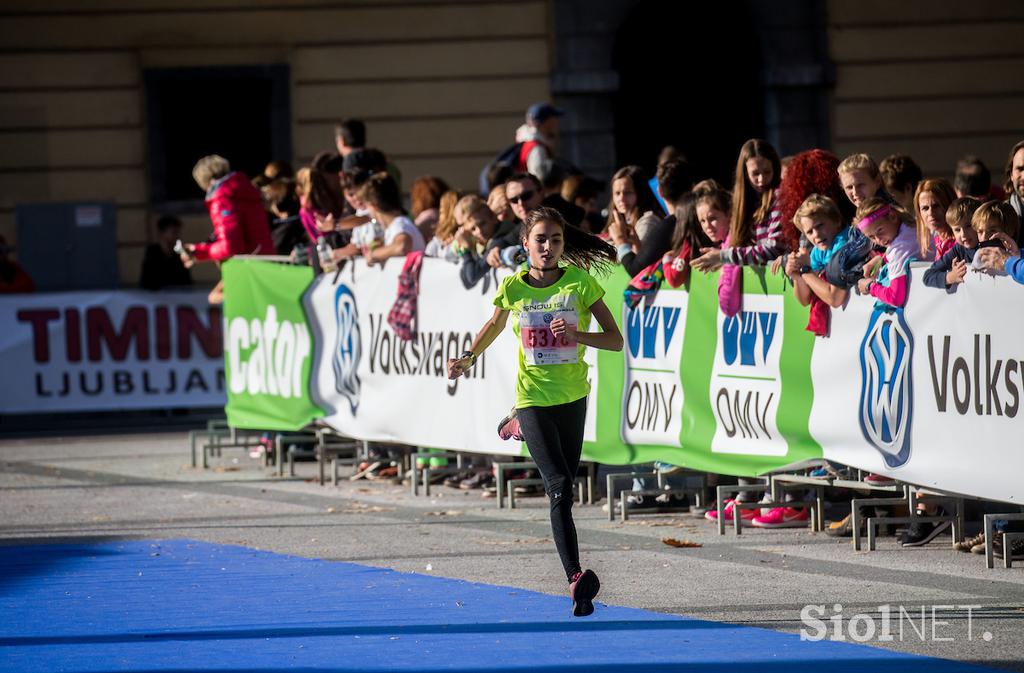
x: 783, y: 517
x: 746, y: 515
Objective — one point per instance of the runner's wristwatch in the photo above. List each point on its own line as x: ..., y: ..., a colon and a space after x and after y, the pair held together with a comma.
x: 469, y: 354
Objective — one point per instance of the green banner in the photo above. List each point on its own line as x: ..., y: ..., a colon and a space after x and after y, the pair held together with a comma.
x: 691, y: 387
x: 731, y: 411
x: 267, y: 346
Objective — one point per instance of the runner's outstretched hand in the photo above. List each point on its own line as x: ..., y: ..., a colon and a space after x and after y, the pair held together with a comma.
x: 458, y: 366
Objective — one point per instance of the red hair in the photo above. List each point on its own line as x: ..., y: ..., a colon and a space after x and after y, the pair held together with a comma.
x: 810, y: 172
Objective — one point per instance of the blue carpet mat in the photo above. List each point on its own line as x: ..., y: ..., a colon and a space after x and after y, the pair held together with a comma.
x: 182, y: 605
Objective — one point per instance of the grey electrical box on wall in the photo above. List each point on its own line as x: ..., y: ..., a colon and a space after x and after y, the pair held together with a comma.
x: 68, y: 246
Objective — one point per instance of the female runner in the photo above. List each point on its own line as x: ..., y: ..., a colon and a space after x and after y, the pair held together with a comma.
x: 551, y: 305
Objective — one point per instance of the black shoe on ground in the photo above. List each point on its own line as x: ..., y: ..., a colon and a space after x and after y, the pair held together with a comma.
x: 921, y: 533
x: 582, y: 590
x: 454, y: 480
x: 477, y: 480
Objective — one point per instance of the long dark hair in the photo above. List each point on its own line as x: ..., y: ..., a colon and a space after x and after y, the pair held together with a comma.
x: 381, y: 191
x: 1008, y: 171
x: 645, y: 200
x: 584, y: 250
x: 687, y: 225
x: 323, y: 191
x: 748, y: 207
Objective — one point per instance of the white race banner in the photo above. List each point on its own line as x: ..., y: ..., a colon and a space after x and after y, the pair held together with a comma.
x: 746, y: 384
x: 652, y: 397
x: 376, y: 386
x: 94, y: 351
x: 932, y: 395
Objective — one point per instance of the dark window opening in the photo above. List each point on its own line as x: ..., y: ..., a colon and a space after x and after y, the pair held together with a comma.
x: 689, y: 76
x: 240, y: 113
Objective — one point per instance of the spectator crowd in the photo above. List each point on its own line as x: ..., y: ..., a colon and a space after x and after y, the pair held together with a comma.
x: 834, y: 226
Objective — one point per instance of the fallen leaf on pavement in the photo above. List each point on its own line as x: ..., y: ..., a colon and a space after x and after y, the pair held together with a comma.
x: 672, y: 542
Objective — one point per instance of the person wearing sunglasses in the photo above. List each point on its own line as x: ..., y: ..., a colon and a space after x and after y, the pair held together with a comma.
x: 523, y: 193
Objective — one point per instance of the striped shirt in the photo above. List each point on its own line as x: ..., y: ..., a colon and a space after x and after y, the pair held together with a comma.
x: 767, y: 245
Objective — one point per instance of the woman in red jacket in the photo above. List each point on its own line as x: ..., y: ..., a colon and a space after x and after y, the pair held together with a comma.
x: 240, y: 223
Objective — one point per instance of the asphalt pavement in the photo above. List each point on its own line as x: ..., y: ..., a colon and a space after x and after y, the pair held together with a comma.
x: 139, y: 487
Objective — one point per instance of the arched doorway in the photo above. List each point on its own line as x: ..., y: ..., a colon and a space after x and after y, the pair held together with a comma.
x: 689, y: 76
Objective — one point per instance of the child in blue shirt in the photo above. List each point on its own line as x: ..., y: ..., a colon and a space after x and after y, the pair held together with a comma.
x: 951, y: 268
x: 819, y: 220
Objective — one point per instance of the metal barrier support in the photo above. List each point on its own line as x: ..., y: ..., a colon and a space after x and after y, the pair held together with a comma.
x: 698, y: 494
x: 990, y: 532
x: 855, y: 514
x: 613, y: 478
x: 730, y: 489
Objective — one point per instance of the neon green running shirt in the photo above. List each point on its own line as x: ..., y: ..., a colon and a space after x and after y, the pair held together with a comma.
x: 551, y: 370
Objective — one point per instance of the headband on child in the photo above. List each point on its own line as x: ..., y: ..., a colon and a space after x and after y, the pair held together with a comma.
x: 874, y: 217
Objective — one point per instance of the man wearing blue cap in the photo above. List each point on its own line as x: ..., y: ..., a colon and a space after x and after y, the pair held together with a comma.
x: 538, y: 135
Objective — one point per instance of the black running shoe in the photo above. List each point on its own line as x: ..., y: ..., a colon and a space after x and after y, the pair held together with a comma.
x: 920, y: 534
x: 583, y: 589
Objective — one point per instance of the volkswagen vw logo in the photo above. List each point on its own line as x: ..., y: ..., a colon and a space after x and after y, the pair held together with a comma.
x: 347, y: 346
x: 886, y: 392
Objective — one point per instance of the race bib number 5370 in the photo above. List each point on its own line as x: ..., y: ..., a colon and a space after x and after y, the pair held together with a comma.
x: 540, y: 345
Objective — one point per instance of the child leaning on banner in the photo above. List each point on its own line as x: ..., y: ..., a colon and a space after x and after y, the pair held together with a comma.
x: 998, y: 225
x: 951, y: 268
x: 755, y: 222
x: 756, y: 226
x: 892, y: 228
x: 819, y: 220
x: 702, y: 219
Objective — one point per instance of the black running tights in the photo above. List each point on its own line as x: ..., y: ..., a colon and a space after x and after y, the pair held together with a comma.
x: 554, y: 436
